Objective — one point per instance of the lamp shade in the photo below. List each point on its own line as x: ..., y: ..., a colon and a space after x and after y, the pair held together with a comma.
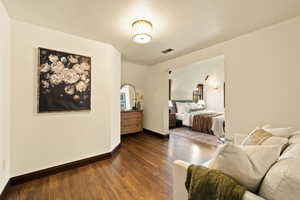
x: 141, y: 31
x: 170, y: 104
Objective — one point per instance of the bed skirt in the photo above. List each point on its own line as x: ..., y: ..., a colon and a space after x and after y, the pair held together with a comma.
x: 203, y: 123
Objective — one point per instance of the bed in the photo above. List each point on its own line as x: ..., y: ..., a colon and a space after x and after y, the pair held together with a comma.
x: 213, y: 120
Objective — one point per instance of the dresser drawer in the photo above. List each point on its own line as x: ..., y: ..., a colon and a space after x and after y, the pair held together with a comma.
x: 131, y: 115
x: 131, y: 129
x: 131, y: 122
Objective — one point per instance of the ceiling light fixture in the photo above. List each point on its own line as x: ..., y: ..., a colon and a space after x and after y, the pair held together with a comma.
x: 141, y: 31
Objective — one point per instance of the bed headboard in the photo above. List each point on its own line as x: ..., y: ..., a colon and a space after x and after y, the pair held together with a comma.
x: 174, y: 108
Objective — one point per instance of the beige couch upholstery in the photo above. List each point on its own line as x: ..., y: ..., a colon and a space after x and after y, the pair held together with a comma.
x: 281, y: 182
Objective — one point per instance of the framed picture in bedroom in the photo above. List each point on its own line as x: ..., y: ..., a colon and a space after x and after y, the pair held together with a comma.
x: 64, y: 81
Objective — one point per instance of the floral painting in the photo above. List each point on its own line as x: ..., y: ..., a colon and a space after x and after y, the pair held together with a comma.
x: 64, y: 81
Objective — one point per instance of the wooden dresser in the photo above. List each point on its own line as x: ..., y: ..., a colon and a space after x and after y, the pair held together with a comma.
x: 131, y: 121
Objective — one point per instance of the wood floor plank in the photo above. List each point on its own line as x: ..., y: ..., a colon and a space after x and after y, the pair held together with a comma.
x: 142, y: 170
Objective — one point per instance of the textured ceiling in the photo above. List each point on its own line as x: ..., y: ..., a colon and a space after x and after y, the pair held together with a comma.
x: 182, y: 25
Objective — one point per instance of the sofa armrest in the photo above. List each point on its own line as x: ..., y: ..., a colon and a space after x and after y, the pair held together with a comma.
x: 179, y: 176
x: 250, y: 196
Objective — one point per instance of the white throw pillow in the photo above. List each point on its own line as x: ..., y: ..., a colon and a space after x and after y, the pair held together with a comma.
x: 246, y: 164
x: 279, y: 132
x: 266, y: 126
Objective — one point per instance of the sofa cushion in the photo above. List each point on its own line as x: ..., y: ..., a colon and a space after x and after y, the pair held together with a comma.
x: 246, y: 164
x: 282, y: 181
x: 295, y: 139
x: 291, y: 152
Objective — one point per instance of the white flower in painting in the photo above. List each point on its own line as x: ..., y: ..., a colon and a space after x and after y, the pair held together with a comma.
x: 77, y: 68
x: 56, y: 79
x: 83, y: 77
x: 45, y: 67
x: 86, y: 73
x: 57, y: 67
x: 76, y: 97
x: 63, y: 60
x: 87, y: 81
x: 81, y: 86
x: 45, y: 84
x: 70, y: 76
x: 72, y: 59
x: 53, y: 58
x: 70, y: 89
x: 85, y: 66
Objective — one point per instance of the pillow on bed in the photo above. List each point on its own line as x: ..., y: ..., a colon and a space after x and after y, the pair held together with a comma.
x: 194, y: 110
x: 181, y: 107
x: 192, y: 107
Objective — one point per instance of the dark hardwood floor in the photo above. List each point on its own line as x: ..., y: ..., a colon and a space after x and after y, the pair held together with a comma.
x: 142, y: 170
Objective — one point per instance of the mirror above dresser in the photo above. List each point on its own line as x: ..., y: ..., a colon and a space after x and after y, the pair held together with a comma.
x: 128, y: 97
x: 131, y: 113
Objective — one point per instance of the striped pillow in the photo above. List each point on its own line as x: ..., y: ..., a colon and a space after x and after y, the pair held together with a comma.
x: 257, y: 137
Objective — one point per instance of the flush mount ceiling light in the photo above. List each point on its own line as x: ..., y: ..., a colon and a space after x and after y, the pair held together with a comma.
x: 141, y: 31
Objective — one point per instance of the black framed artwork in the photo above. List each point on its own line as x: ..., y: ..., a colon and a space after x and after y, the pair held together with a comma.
x: 64, y: 81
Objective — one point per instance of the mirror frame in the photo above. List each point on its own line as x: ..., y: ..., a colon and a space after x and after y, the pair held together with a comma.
x: 129, y: 84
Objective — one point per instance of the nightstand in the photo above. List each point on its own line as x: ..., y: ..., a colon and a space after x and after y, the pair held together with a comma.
x: 172, y: 120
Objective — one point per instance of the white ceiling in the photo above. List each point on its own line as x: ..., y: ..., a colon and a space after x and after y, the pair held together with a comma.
x: 184, y: 25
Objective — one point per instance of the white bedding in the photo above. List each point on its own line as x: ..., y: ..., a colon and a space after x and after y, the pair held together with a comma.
x: 180, y: 116
x: 217, y: 122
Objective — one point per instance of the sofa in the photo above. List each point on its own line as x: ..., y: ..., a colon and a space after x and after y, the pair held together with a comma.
x: 282, y: 181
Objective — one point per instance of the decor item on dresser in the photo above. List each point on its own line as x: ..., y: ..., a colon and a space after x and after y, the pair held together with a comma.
x: 131, y: 121
x: 139, y: 100
x: 64, y: 81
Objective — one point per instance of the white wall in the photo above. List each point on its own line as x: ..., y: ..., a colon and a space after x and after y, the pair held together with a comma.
x: 114, y: 71
x: 4, y: 96
x: 134, y: 74
x: 185, y: 79
x: 262, y: 79
x: 40, y: 141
